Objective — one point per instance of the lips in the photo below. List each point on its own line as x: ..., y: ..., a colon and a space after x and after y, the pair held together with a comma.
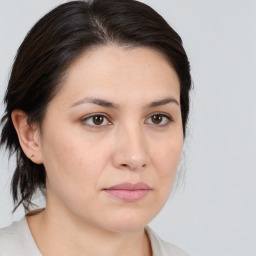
x: 129, y: 191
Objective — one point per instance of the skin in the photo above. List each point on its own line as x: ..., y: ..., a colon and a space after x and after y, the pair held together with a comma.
x: 82, y: 158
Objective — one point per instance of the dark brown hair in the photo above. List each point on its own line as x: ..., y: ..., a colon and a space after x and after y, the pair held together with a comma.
x: 54, y: 43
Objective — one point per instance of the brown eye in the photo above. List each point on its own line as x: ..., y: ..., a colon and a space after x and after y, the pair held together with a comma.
x: 156, y: 119
x: 159, y: 119
x: 96, y: 121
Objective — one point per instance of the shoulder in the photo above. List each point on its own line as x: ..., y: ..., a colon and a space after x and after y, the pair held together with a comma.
x: 10, y: 239
x: 162, y: 248
x: 15, y: 239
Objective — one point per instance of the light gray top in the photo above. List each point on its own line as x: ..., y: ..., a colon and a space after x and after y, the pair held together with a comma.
x: 17, y: 240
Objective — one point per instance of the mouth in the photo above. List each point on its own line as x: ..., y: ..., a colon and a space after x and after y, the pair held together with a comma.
x: 129, y: 192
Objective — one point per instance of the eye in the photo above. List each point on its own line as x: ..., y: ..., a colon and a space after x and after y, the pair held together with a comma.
x: 96, y: 121
x: 159, y: 119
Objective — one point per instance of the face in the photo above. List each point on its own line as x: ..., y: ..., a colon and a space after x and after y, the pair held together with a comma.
x: 112, y: 138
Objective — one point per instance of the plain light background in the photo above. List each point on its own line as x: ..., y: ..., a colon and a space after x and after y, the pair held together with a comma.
x: 213, y: 212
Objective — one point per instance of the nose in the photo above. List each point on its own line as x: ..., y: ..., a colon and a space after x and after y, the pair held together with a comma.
x: 130, y: 150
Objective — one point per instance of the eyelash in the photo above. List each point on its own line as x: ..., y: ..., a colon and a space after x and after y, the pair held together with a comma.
x: 163, y: 115
x: 95, y: 115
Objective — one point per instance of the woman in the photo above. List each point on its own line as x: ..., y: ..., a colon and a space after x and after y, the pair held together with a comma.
x: 96, y: 112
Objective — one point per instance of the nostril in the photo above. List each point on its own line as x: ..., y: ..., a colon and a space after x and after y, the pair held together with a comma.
x: 133, y: 166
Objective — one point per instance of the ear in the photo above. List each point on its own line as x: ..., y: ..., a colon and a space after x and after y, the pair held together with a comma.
x: 29, y: 136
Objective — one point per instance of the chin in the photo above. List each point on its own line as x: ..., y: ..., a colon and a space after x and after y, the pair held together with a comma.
x: 128, y: 221
x: 125, y: 227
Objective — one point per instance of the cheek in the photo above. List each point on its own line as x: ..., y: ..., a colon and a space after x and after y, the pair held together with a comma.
x: 73, y: 162
x: 64, y: 149
x: 61, y: 161
x: 167, y: 156
x: 166, y: 160
x: 72, y: 171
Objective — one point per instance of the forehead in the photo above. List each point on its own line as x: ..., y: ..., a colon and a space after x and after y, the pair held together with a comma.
x: 114, y: 71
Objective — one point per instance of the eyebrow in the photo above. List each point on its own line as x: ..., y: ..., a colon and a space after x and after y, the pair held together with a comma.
x: 161, y: 102
x: 108, y: 104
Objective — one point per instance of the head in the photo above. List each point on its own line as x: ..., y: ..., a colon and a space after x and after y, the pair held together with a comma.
x: 98, y: 96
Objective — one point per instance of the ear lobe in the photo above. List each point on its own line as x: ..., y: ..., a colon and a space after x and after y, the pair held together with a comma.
x: 28, y: 136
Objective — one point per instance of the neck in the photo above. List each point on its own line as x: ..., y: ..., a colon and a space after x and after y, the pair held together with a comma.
x: 56, y: 233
